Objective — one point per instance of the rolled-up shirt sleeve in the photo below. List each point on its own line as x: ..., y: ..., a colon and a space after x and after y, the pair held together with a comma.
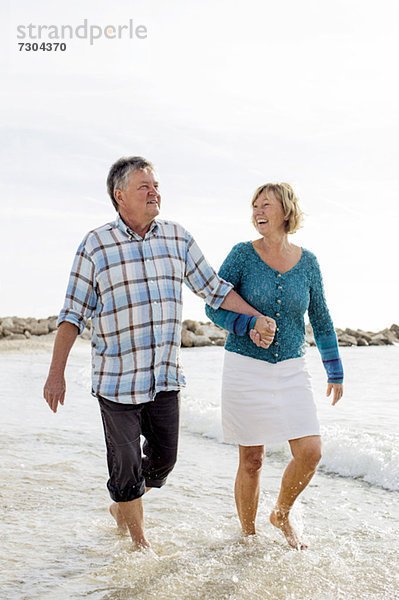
x: 81, y: 297
x: 201, y: 278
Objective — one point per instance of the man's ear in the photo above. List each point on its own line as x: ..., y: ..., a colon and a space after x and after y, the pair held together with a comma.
x: 118, y: 197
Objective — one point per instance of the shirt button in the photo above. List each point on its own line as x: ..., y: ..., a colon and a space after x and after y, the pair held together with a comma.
x: 155, y: 302
x: 278, y: 301
x: 276, y: 355
x: 277, y: 314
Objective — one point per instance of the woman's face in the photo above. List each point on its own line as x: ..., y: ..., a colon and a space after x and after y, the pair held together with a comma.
x: 268, y: 214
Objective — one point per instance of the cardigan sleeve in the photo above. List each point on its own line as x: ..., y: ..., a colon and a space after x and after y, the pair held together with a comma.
x: 323, y: 328
x: 236, y: 323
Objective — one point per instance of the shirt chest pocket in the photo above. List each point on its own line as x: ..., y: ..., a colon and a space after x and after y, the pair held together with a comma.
x: 170, y: 268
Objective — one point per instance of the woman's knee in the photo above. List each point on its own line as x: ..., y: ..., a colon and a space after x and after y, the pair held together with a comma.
x: 251, y: 461
x: 311, y: 455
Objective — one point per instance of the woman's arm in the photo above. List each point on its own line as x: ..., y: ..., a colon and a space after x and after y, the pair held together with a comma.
x: 324, y: 334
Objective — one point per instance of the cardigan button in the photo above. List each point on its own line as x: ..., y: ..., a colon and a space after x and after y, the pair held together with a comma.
x: 278, y: 301
x: 280, y: 287
x: 277, y: 314
x: 276, y: 355
x: 279, y: 275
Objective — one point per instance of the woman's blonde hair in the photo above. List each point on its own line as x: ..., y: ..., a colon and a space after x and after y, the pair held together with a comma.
x: 285, y: 194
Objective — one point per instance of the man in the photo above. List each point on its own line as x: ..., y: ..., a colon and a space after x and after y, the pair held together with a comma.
x: 127, y: 276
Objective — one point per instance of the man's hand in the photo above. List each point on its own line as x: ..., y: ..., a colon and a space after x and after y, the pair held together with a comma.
x: 54, y: 390
x: 338, y: 390
x: 263, y: 333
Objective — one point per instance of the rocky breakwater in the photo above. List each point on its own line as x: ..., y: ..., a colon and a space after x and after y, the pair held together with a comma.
x: 359, y: 337
x: 198, y: 333
x: 194, y: 333
x: 17, y: 328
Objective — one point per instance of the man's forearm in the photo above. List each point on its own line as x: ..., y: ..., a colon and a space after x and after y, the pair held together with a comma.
x: 235, y: 303
x: 65, y: 338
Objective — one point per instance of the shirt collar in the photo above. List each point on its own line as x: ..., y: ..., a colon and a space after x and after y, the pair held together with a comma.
x: 120, y: 224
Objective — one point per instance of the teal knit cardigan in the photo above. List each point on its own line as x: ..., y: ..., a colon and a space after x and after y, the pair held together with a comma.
x: 284, y: 296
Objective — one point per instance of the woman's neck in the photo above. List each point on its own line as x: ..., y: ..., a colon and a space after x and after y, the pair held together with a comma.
x: 277, y: 244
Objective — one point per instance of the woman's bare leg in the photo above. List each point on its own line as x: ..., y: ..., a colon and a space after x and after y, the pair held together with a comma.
x: 247, y: 486
x: 306, y: 454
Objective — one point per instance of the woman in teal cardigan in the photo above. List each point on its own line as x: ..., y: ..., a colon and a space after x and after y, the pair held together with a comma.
x: 266, y: 392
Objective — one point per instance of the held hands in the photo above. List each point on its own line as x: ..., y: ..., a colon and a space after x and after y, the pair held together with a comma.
x: 338, y: 392
x: 54, y: 390
x: 263, y: 333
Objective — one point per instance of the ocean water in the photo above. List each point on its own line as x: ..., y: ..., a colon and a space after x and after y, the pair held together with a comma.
x: 58, y: 540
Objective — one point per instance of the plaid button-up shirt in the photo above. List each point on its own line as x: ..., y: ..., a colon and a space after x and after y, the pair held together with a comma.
x: 132, y: 289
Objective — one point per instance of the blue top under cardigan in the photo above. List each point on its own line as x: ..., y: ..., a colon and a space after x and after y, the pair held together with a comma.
x: 284, y: 296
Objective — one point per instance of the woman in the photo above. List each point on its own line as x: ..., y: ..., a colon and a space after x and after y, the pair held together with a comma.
x: 266, y: 392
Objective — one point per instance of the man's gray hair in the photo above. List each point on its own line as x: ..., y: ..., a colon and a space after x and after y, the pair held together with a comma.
x: 120, y: 171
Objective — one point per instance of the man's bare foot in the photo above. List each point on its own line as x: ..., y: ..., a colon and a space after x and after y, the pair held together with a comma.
x: 140, y: 543
x: 280, y: 519
x: 143, y: 545
x: 120, y: 521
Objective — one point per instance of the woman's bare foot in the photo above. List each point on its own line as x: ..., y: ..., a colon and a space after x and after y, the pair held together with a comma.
x: 120, y: 521
x: 280, y: 519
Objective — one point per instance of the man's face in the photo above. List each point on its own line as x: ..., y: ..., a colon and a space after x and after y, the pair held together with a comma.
x: 140, y: 201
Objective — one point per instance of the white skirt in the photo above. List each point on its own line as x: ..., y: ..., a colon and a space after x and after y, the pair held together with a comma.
x: 264, y: 403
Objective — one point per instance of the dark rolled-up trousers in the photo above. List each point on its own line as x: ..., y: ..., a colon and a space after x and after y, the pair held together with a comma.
x: 131, y: 467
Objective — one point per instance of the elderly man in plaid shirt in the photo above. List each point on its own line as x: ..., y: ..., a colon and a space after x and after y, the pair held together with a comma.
x: 127, y: 277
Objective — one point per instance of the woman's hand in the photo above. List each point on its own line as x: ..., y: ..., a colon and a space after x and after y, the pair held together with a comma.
x: 338, y: 390
x: 263, y: 333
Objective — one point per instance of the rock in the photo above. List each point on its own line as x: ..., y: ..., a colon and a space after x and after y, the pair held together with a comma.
x: 86, y: 335
x: 27, y: 334
x: 41, y: 327
x: 379, y: 340
x: 363, y: 334
x: 190, y: 325
x: 202, y: 340
x: 389, y: 335
x: 16, y: 336
x: 187, y: 338
x: 7, y: 326
x: 213, y: 332
x: 395, y: 330
x: 351, y: 332
x: 347, y: 340
x: 361, y: 341
x: 52, y: 323
x: 19, y: 325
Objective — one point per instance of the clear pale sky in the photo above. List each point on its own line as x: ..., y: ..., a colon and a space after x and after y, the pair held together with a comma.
x: 222, y: 98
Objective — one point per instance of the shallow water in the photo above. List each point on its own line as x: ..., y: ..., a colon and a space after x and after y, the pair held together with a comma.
x: 60, y: 542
